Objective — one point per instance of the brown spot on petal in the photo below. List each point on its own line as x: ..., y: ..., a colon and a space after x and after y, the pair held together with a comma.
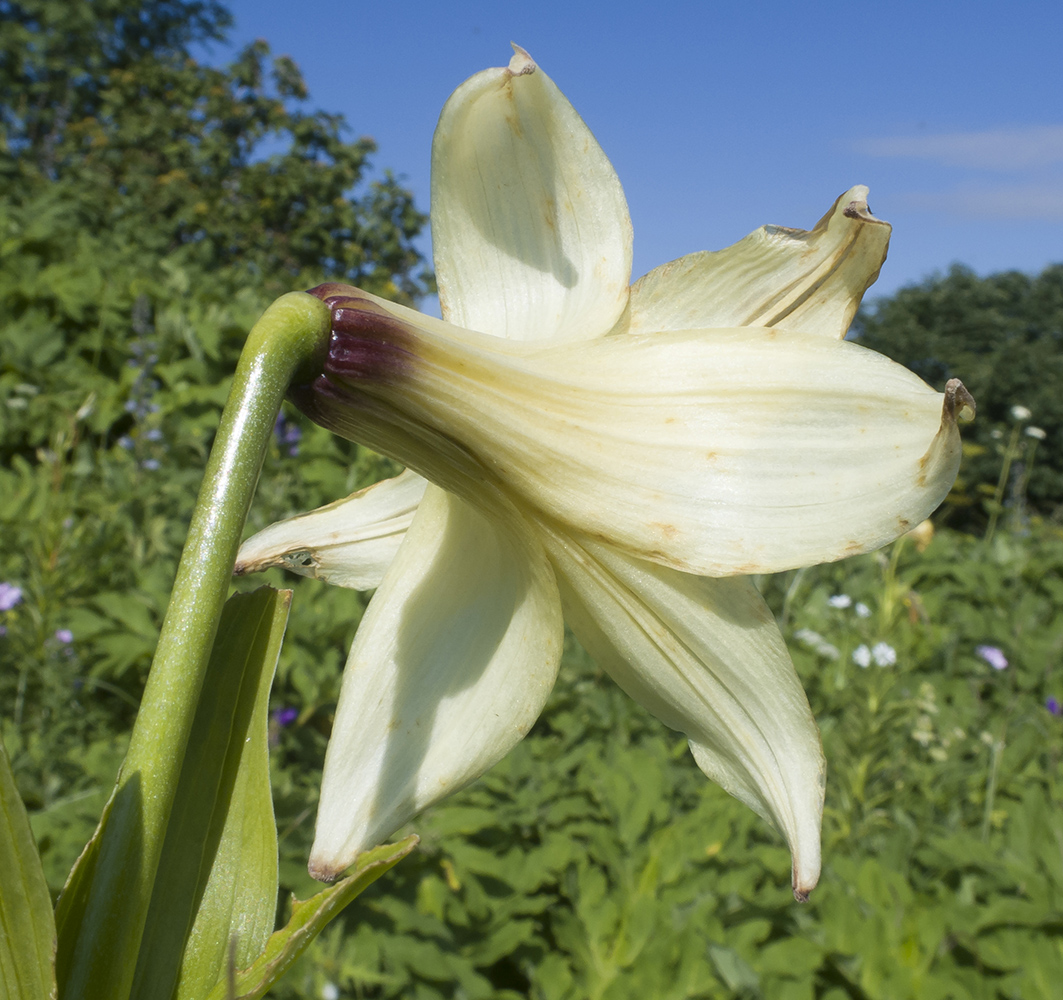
x: 550, y: 213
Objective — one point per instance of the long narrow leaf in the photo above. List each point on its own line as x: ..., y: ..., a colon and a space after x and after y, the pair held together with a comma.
x: 27, y: 926
x: 309, y: 917
x: 217, y: 876
x: 73, y: 900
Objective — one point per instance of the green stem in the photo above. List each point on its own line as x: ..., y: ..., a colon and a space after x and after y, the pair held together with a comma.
x: 995, y: 750
x: 791, y: 594
x: 286, y: 343
x: 1024, y: 482
x: 1002, y: 482
x: 889, y: 587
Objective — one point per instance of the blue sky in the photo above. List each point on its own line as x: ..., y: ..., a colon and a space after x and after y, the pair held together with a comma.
x: 720, y: 117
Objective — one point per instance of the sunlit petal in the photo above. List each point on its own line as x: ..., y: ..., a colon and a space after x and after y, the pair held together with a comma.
x: 349, y: 543
x: 706, y: 657
x: 530, y: 229
x: 451, y: 666
x: 717, y: 452
x: 803, y: 280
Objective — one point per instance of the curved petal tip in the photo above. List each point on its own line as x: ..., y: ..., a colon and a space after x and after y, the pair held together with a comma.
x: 805, y: 851
x: 521, y: 64
x: 323, y: 871
x: 803, y: 883
x: 959, y: 403
x: 856, y: 206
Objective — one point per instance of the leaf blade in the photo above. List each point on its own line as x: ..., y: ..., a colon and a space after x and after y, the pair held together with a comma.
x: 309, y: 918
x: 218, y: 870
x: 27, y: 925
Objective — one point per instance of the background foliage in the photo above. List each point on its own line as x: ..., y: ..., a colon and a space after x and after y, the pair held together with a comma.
x: 150, y: 206
x: 1003, y: 335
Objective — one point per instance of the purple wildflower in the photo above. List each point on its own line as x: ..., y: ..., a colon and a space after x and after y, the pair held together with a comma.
x: 285, y: 716
x: 993, y: 656
x: 288, y: 434
x: 1053, y: 706
x: 10, y: 595
x: 64, y: 635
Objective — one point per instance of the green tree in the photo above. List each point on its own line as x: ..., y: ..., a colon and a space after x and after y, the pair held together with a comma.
x: 166, y: 152
x: 1003, y: 335
x: 136, y: 181
x: 150, y: 207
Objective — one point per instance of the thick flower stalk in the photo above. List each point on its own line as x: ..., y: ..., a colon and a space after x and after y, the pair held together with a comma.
x: 626, y: 454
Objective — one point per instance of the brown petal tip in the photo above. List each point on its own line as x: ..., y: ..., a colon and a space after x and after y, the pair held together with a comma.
x: 803, y: 886
x: 324, y: 873
x: 244, y: 567
x: 521, y: 64
x: 959, y: 403
x: 858, y: 210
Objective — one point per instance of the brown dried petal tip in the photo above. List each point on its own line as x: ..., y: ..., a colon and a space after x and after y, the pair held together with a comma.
x: 801, y: 891
x: 958, y: 401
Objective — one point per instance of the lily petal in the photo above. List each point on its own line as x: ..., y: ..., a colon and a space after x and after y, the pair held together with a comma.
x: 530, y: 228
x: 706, y: 657
x: 349, y: 543
x: 716, y: 452
x: 450, y: 668
x: 803, y: 280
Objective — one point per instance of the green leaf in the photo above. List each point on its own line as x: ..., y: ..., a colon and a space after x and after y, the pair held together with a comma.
x: 733, y: 970
x: 27, y: 927
x: 73, y: 900
x: 218, y: 871
x: 309, y: 917
x: 217, y: 878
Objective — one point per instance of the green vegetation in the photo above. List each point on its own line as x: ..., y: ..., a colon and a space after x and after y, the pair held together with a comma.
x: 595, y: 861
x: 1003, y: 335
x: 141, y: 234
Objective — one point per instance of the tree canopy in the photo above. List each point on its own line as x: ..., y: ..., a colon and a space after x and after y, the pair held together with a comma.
x: 167, y: 154
x: 151, y: 205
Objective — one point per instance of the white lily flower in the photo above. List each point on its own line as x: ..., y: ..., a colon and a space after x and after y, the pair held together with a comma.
x: 723, y: 429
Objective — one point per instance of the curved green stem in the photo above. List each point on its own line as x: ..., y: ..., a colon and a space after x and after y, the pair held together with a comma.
x: 287, y: 341
x: 1002, y: 482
